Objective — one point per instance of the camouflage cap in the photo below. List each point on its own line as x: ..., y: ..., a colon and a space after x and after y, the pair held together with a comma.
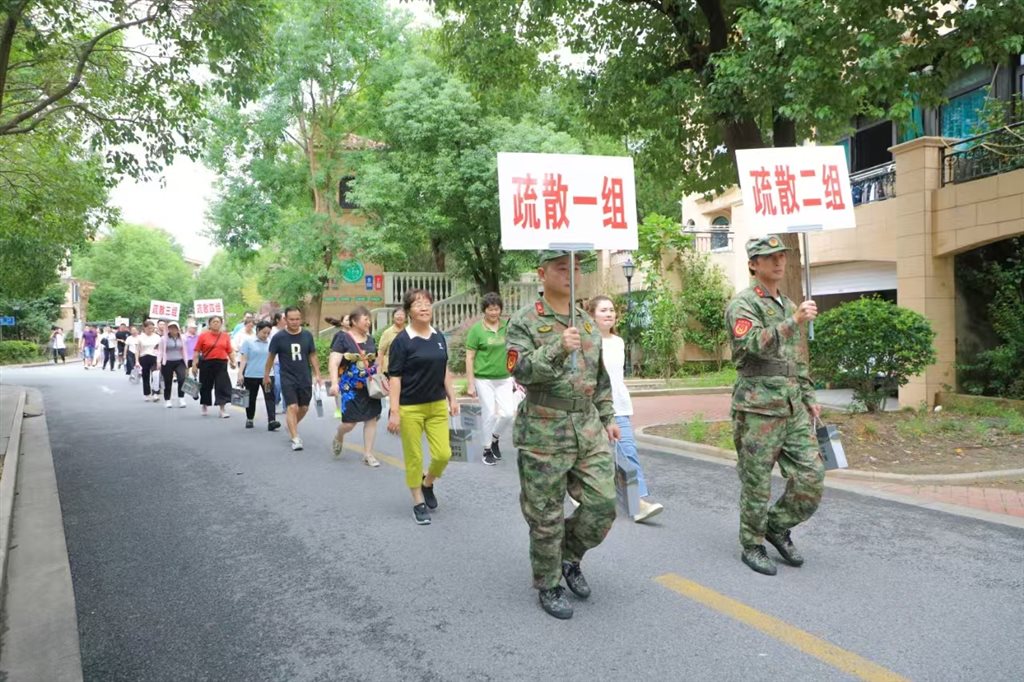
x: 544, y: 256
x: 762, y: 246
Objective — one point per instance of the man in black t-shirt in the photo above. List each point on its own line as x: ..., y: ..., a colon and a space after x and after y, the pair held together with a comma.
x: 295, y: 351
x: 121, y: 335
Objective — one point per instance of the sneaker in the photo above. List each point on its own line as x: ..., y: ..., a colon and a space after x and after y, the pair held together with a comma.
x: 555, y: 603
x: 574, y: 579
x: 784, y: 545
x: 248, y: 423
x: 647, y: 511
x: 224, y: 414
x: 428, y: 495
x: 181, y: 402
x: 296, y: 443
x: 273, y: 426
x: 336, y: 447
x: 758, y: 560
x: 421, y: 514
x: 168, y: 404
x: 489, y: 458
x: 495, y: 450
x: 370, y: 461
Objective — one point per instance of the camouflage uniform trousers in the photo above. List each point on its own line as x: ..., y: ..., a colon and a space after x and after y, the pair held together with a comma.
x: 760, y: 442
x: 544, y: 479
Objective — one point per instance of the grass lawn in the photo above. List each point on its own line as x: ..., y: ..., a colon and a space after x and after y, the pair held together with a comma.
x: 908, y: 442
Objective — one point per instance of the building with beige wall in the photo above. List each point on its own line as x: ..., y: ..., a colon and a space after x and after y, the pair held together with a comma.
x: 941, y: 198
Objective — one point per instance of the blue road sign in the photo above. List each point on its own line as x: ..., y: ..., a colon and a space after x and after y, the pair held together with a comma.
x: 7, y: 321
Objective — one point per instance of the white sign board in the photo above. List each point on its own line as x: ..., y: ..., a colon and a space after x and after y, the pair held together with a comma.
x: 548, y: 199
x: 164, y: 310
x: 118, y: 321
x: 795, y: 189
x: 208, y: 307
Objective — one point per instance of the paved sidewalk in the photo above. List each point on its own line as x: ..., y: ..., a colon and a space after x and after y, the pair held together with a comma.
x: 667, y: 409
x: 676, y: 408
x: 995, y: 500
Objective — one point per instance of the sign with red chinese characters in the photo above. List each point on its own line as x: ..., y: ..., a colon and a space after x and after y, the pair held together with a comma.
x: 164, y: 310
x: 550, y: 199
x: 208, y: 307
x: 795, y: 189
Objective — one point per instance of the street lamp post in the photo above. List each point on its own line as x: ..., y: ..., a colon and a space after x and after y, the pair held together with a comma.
x: 628, y: 269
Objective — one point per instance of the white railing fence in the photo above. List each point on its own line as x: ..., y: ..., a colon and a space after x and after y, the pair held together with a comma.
x: 441, y: 285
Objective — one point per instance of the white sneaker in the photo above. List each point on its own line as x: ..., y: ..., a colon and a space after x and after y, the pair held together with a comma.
x: 648, y: 510
x: 168, y: 404
x: 181, y: 402
x: 296, y: 443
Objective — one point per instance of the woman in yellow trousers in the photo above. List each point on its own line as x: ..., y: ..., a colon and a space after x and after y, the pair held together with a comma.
x: 422, y: 398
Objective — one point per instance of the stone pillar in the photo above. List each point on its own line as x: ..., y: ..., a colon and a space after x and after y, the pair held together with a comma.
x: 925, y: 283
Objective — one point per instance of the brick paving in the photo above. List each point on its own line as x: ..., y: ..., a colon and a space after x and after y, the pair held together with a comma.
x: 648, y: 410
x: 666, y: 409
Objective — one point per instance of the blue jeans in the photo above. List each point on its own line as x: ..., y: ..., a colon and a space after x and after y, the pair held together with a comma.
x: 277, y: 383
x: 627, y: 443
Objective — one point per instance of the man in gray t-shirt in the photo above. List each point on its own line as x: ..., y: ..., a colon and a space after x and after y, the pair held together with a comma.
x: 295, y: 350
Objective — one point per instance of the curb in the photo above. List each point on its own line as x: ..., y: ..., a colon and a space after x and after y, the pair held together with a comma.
x: 654, y: 392
x: 850, y: 474
x: 672, y: 447
x: 40, y: 622
x: 7, y: 488
x: 49, y: 363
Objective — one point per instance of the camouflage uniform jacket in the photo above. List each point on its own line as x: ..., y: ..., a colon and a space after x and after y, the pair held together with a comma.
x: 768, y: 343
x: 538, y: 361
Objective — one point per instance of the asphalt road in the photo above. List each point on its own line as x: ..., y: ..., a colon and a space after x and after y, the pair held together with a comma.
x: 204, y: 551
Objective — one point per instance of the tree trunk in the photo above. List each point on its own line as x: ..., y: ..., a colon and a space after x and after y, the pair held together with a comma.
x: 313, y: 310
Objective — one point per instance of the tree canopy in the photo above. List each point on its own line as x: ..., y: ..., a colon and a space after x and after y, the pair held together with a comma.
x: 281, y: 161
x: 131, y: 266
x: 436, y: 183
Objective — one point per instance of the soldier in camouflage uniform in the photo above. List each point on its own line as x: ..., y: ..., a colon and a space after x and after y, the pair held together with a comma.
x: 772, y: 406
x: 562, y: 430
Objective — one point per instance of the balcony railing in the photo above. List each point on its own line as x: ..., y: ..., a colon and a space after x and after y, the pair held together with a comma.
x: 439, y: 284
x: 712, y: 240
x: 997, y: 151
x: 877, y: 183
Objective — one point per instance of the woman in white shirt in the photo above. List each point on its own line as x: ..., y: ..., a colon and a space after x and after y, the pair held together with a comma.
x: 147, y: 349
x: 613, y: 354
x: 131, y: 346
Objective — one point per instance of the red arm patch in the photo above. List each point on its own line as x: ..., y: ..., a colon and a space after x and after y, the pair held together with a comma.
x: 741, y: 328
x: 511, y: 360
x: 539, y: 307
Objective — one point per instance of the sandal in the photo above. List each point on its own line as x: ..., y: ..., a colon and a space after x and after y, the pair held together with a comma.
x: 336, y: 447
x: 370, y: 461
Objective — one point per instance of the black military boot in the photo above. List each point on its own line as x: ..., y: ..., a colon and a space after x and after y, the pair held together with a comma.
x: 495, y: 449
x: 758, y: 560
x: 574, y: 579
x: 555, y: 603
x: 785, y: 547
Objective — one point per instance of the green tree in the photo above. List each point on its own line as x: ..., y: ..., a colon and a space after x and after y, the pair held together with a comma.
x: 873, y: 346
x: 437, y: 182
x: 661, y: 245
x: 662, y: 336
x: 689, y: 83
x: 705, y: 294
x: 997, y: 370
x: 281, y: 162
x: 72, y: 65
x: 131, y: 266
x: 232, y: 280
x: 54, y: 198
x: 35, y: 316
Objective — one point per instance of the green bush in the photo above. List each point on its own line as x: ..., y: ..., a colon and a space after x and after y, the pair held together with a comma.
x: 323, y: 353
x: 18, y: 351
x: 872, y: 346
x: 662, y: 337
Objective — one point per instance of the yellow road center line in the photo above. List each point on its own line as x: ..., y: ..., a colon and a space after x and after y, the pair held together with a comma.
x: 778, y: 629
x: 387, y: 459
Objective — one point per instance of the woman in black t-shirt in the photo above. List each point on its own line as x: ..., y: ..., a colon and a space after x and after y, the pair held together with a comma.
x: 352, y: 363
x: 422, y: 397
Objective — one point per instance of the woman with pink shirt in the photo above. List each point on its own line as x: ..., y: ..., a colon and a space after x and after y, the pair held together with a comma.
x: 171, y: 360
